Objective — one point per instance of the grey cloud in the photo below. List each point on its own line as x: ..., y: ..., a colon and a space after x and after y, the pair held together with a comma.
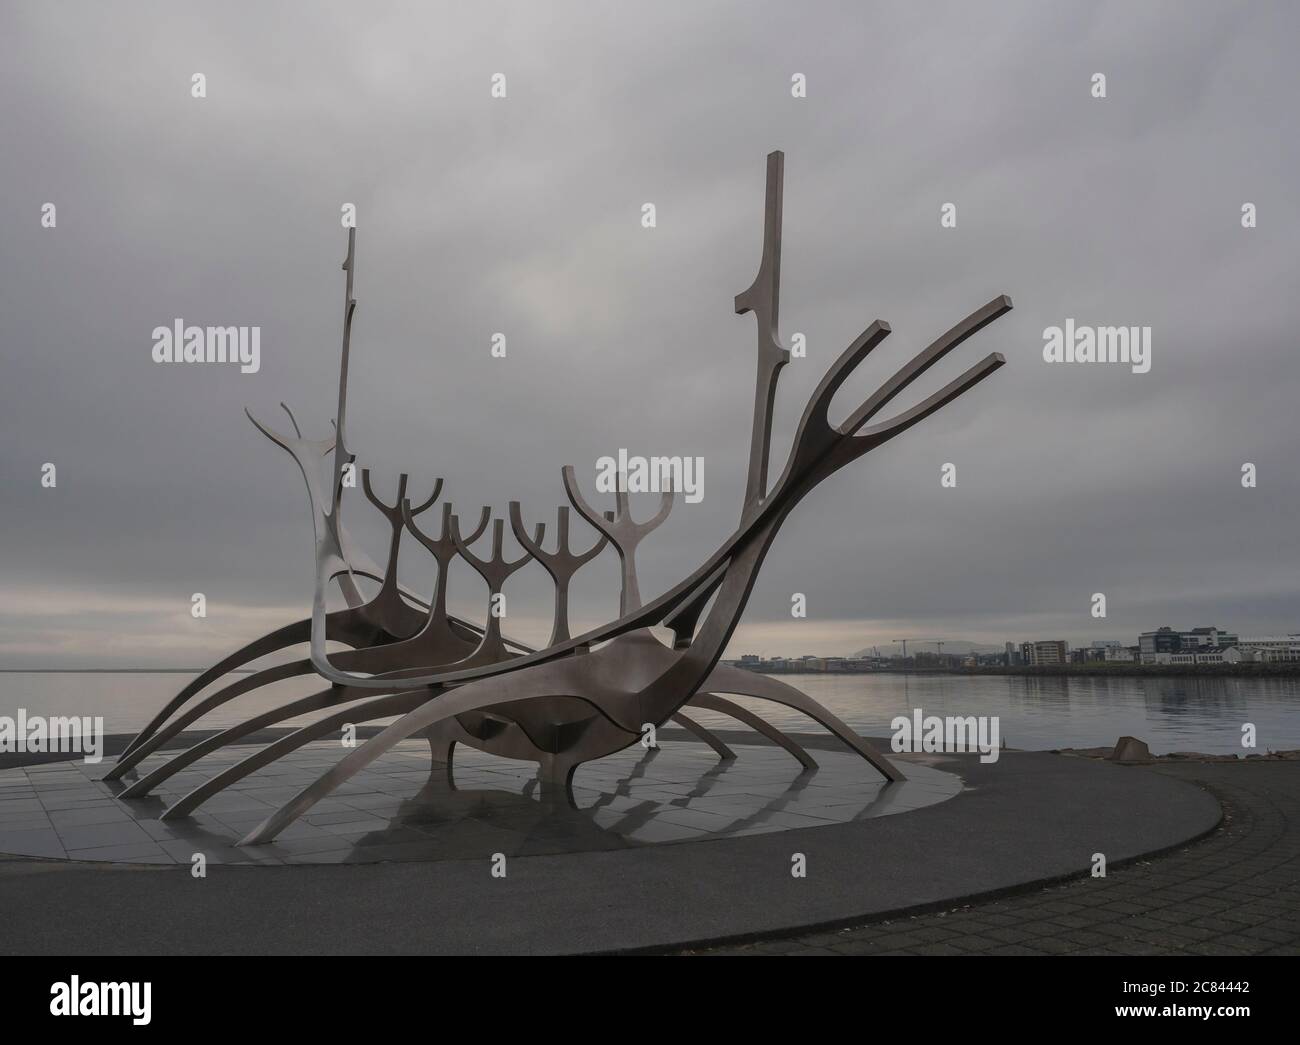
x: 522, y: 216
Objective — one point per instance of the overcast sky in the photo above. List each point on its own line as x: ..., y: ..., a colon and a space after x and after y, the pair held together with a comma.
x: 523, y: 215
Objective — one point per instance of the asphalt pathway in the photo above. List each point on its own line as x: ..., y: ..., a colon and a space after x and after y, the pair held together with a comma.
x: 1237, y: 891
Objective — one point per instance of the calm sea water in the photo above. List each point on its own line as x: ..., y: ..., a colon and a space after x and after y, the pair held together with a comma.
x: 1171, y: 714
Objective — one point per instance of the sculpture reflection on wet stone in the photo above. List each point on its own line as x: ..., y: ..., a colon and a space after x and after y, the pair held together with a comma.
x: 580, y: 698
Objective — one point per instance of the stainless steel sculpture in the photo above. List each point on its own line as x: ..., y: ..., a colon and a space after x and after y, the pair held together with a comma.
x: 581, y: 698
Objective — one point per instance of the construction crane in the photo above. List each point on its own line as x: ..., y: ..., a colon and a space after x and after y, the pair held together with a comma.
x: 937, y: 642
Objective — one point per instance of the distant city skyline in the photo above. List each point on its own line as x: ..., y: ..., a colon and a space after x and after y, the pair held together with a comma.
x: 893, y: 648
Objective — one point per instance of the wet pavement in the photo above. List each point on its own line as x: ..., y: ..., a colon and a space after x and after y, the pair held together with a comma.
x: 400, y: 809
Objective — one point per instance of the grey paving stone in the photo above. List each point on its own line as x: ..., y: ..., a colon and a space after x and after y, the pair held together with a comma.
x: 41, y: 842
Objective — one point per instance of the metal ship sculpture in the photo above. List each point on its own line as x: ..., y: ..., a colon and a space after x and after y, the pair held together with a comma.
x: 451, y: 681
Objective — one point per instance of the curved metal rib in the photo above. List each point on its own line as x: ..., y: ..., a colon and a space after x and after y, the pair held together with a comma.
x: 321, y: 699
x: 724, y: 753
x: 712, y: 702
x: 289, y: 635
x: 382, y: 707
x: 132, y: 757
x: 726, y: 679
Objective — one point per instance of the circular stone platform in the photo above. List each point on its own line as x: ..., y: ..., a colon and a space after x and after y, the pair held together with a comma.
x: 1025, y: 820
x: 398, y: 809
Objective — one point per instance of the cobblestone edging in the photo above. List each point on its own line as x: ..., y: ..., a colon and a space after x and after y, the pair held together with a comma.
x: 1237, y: 891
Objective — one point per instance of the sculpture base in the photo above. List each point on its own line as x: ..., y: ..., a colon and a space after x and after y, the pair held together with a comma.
x: 468, y: 805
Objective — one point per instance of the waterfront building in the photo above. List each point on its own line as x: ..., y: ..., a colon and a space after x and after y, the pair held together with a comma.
x: 1251, y: 654
x: 1268, y: 641
x: 1206, y: 637
x: 1045, y: 651
x: 1152, y: 644
x: 1155, y: 647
